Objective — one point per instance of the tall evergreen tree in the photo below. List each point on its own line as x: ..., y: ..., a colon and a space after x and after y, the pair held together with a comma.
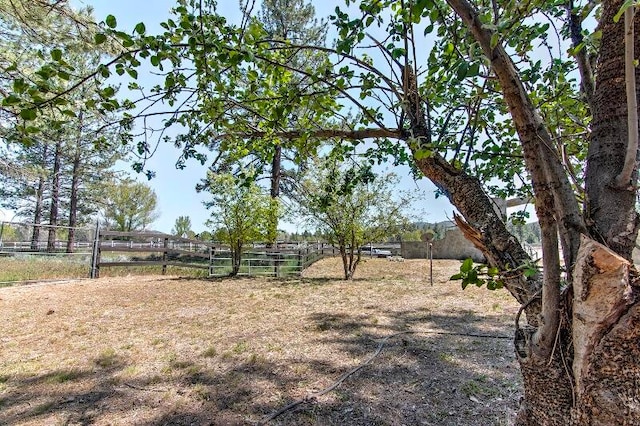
x: 47, y: 159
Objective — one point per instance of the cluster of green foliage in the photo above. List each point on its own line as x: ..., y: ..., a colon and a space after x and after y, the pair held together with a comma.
x: 240, y: 214
x: 481, y: 274
x: 351, y: 207
x: 182, y: 227
x: 130, y: 206
x: 57, y: 161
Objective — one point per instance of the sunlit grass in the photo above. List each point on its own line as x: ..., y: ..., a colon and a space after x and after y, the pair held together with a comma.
x: 48, y: 267
x: 27, y: 268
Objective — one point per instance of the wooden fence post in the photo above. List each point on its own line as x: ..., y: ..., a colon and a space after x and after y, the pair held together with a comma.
x: 276, y: 264
x: 164, y: 256
x: 212, y: 257
x: 95, y: 254
x: 431, y: 263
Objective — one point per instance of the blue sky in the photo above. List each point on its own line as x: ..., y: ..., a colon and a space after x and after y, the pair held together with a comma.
x: 176, y: 188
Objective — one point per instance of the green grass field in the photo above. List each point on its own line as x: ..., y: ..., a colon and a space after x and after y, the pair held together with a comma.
x: 33, y: 268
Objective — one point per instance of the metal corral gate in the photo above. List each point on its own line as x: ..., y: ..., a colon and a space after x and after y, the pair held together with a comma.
x: 275, y: 262
x: 151, y: 249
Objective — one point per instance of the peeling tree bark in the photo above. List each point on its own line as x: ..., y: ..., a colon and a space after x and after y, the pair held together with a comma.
x: 500, y: 247
x: 606, y: 338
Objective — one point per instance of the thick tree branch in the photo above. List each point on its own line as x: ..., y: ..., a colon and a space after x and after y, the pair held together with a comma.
x: 623, y: 180
x: 544, y: 336
x: 542, y: 160
x: 372, y: 133
x: 581, y: 54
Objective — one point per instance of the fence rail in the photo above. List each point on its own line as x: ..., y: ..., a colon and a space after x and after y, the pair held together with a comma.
x: 169, y: 251
x: 288, y: 259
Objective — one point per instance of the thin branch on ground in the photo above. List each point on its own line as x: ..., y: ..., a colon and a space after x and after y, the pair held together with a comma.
x: 129, y: 385
x: 314, y: 395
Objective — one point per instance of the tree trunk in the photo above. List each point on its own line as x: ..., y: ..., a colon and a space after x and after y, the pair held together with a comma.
x: 547, y: 385
x: 345, y: 261
x: 276, y: 173
x: 606, y: 312
x: 37, y: 214
x: 73, y: 200
x: 55, y: 198
x: 236, y: 259
x: 610, y: 211
x: 587, y: 371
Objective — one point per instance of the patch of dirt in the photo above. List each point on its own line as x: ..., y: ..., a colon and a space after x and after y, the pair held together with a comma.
x: 169, y: 351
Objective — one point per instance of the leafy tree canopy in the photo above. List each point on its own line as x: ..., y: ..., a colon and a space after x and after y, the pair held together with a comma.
x: 240, y: 214
x: 130, y: 206
x: 351, y: 207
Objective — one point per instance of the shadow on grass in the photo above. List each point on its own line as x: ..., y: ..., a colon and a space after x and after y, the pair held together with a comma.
x: 445, y: 375
x: 455, y: 373
x: 34, y: 396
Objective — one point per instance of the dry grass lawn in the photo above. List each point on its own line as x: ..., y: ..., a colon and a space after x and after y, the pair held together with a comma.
x: 168, y: 351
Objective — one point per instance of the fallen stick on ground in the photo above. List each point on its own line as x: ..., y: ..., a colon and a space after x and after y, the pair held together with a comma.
x: 310, y: 397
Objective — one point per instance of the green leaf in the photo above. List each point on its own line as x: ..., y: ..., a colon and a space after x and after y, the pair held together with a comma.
x: 19, y: 85
x: 99, y: 38
x: 467, y: 265
x: 456, y: 277
x: 626, y: 5
x: 421, y: 154
x: 449, y: 48
x: 474, y: 69
x: 104, y: 71
x: 461, y: 73
x: 140, y: 28
x: 56, y: 55
x: 28, y: 114
x: 10, y: 100
x: 108, y: 92
x: 495, y: 39
x: 111, y: 21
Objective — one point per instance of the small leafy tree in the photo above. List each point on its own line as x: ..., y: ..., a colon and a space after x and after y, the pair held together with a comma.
x: 205, y: 236
x: 240, y: 214
x: 182, y: 227
x: 131, y: 206
x: 352, y: 207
